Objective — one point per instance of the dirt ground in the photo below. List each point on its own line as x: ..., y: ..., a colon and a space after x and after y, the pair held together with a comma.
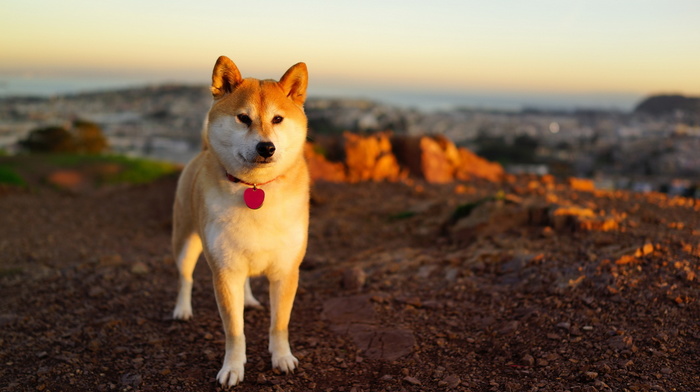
x: 534, y: 287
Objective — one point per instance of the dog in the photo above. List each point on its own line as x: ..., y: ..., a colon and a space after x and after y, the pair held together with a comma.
x: 244, y: 201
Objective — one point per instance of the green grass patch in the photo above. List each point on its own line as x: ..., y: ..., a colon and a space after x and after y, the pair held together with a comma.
x: 9, y: 272
x: 402, y: 215
x: 115, y: 169
x: 139, y: 170
x: 9, y: 176
x: 464, y: 210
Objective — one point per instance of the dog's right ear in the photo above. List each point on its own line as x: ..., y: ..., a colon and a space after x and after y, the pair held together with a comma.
x: 225, y: 77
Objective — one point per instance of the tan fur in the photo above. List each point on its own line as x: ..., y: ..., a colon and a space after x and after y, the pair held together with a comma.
x: 238, y: 242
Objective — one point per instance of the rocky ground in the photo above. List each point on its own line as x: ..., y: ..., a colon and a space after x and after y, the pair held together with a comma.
x: 533, y: 285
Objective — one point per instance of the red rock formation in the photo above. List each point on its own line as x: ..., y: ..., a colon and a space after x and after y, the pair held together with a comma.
x: 472, y: 165
x: 370, y: 158
x: 436, y: 165
x: 322, y: 169
x: 381, y: 157
x: 438, y: 160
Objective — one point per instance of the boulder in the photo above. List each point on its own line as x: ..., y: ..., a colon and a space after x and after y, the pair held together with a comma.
x: 424, y: 157
x: 472, y: 165
x: 436, y: 165
x: 437, y: 160
x: 322, y: 169
x: 370, y: 158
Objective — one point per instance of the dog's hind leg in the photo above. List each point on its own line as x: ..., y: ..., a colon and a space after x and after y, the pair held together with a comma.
x: 250, y: 301
x: 188, y: 250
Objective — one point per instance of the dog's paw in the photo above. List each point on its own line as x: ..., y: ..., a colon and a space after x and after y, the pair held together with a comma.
x: 182, y: 312
x: 231, y: 374
x: 285, y: 363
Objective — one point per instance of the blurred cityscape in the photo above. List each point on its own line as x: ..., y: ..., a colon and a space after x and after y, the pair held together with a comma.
x: 656, y: 146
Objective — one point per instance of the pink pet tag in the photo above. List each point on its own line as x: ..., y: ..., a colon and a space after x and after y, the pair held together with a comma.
x: 254, y: 198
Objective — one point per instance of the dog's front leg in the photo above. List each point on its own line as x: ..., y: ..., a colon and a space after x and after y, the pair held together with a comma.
x: 230, y: 292
x: 282, y: 292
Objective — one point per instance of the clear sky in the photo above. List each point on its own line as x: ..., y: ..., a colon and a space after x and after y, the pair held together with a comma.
x: 560, y: 46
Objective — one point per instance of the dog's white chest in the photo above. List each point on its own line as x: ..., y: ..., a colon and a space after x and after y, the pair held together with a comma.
x: 254, y: 240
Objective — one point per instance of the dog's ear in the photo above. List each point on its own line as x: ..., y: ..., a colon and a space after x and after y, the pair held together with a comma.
x: 225, y: 77
x: 294, y: 83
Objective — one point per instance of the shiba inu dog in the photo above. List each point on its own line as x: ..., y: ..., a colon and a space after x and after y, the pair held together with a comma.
x: 244, y: 201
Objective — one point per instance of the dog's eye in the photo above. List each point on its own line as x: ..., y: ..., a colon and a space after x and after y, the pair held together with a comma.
x: 244, y: 119
x: 277, y: 119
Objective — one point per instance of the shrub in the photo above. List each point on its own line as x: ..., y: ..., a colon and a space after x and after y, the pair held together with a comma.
x: 83, y: 137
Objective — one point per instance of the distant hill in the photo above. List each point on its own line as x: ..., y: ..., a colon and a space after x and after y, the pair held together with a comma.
x: 669, y: 104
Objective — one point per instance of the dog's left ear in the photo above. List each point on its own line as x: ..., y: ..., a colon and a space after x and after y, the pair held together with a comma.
x: 225, y: 77
x: 294, y: 83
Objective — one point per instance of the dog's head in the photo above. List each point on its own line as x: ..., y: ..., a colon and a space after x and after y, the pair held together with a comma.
x: 256, y: 128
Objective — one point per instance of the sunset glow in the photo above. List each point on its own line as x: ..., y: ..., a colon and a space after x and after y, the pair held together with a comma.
x: 632, y: 47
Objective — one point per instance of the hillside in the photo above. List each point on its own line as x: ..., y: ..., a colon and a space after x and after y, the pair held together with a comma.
x: 661, y: 105
x: 528, y: 284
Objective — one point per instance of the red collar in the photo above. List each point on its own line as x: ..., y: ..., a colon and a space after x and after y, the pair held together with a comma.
x: 254, y: 185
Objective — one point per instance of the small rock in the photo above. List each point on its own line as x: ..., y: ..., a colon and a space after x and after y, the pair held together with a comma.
x: 528, y: 360
x: 620, y: 342
x: 211, y: 355
x: 139, y: 268
x: 425, y: 271
x: 553, y: 336
x: 509, y: 328
x: 413, y: 301
x: 112, y: 260
x: 451, y: 381
x: 451, y: 274
x: 591, y: 375
x: 412, y: 380
x: 354, y: 278
x: 96, y: 291
x: 131, y: 379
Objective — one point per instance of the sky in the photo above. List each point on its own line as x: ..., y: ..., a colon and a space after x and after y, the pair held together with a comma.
x: 575, y: 47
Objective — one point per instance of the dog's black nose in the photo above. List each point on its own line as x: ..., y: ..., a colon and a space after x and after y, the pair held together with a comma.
x: 265, y: 149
